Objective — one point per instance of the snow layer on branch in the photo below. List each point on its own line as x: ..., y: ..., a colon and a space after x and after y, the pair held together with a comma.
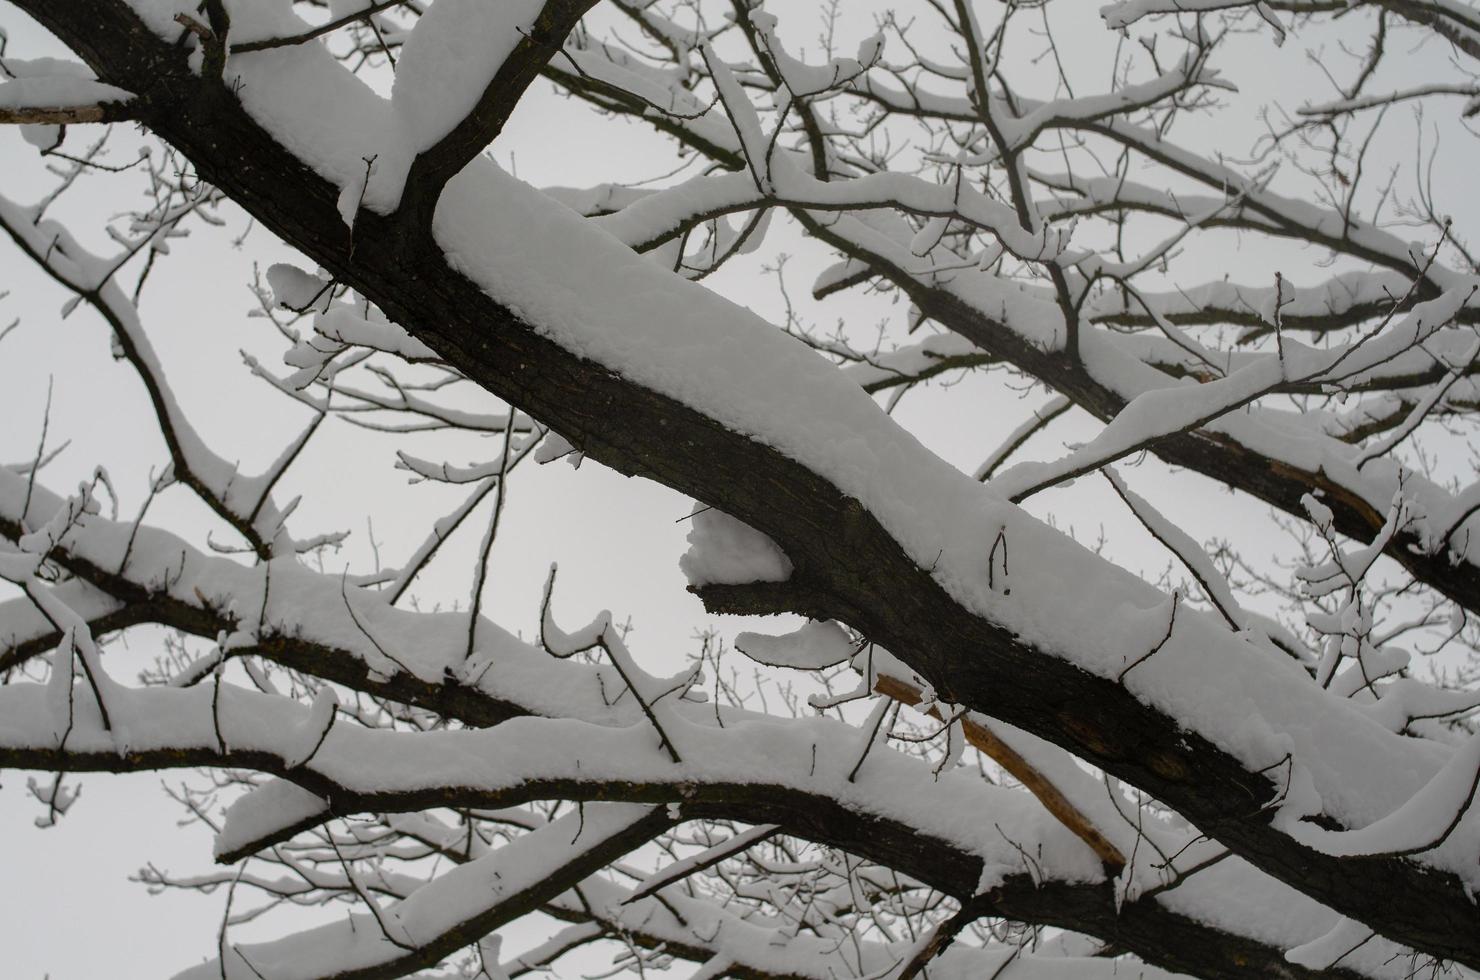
x: 504, y: 757
x: 21, y: 621
x: 769, y: 946
x: 276, y: 806
x: 912, y: 360
x: 516, y: 761
x: 1118, y: 362
x: 726, y: 551
x: 326, y: 116
x: 52, y: 83
x: 450, y: 58
x: 317, y: 609
x: 1233, y: 891
x: 754, y: 942
x: 1425, y: 821
x: 335, y: 122
x: 295, y: 289
x: 814, y: 646
x: 1123, y: 13
x: 1319, y: 954
x: 58, y: 91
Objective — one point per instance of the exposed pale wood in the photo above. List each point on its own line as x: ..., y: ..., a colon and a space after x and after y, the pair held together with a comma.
x: 981, y: 737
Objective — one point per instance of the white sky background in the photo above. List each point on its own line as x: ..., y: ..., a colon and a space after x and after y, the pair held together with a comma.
x: 66, y: 908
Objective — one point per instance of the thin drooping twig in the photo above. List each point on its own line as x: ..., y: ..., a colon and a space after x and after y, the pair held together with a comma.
x: 481, y: 571
x: 1171, y: 625
x: 40, y: 452
x: 1195, y: 563
x: 616, y: 652
x: 1042, y: 416
x: 874, y: 724
x: 329, y: 27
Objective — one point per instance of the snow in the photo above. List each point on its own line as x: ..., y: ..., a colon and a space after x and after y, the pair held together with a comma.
x: 875, y: 371
x: 89, y: 276
x: 1124, y: 13
x: 1187, y: 550
x: 277, y: 807
x: 313, y: 607
x: 1268, y: 911
x: 770, y: 946
x: 332, y: 120
x: 469, y: 891
x: 804, y: 80
x: 1014, y: 439
x: 520, y: 760
x: 497, y: 761
x: 1322, y: 953
x: 21, y: 621
x: 52, y: 83
x: 812, y: 647
x: 678, y: 870
x: 295, y: 289
x: 757, y: 942
x: 342, y: 326
x: 311, y: 732
x: 450, y: 58
x: 723, y: 550
x: 58, y: 91
x: 1426, y: 821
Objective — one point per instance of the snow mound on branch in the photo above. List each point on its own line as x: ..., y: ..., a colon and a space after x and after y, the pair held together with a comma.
x: 292, y: 287
x: 1426, y: 821
x: 813, y: 647
x: 726, y: 551
x: 58, y: 91
x: 286, y: 805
